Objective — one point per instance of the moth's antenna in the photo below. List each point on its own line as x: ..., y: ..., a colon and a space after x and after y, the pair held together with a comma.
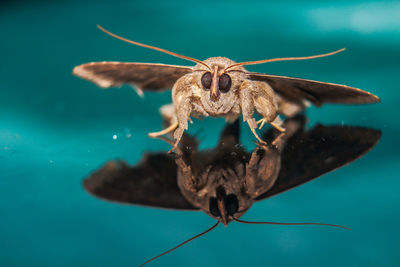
x: 152, y: 47
x: 280, y: 223
x: 283, y: 59
x: 181, y: 244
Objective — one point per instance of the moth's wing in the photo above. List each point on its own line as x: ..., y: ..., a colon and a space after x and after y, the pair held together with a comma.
x: 143, y: 76
x: 152, y: 182
x: 310, y: 154
x: 295, y: 90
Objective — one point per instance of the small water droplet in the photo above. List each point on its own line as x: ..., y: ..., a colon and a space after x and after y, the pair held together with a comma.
x: 115, y: 137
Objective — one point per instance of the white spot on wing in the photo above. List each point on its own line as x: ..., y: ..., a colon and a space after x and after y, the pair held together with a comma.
x: 138, y: 90
x: 84, y: 73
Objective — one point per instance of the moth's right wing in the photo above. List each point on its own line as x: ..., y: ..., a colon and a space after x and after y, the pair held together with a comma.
x: 143, y: 76
x: 152, y: 182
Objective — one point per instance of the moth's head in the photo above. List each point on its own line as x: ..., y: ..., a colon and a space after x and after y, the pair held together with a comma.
x: 226, y: 207
x: 216, y: 82
x: 224, y: 197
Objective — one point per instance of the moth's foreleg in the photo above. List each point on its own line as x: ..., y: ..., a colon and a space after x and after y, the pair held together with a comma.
x: 165, y: 131
x: 247, y: 106
x: 265, y: 104
x: 182, y: 99
x: 183, y: 110
x: 259, y: 96
x: 253, y: 126
x: 277, y: 123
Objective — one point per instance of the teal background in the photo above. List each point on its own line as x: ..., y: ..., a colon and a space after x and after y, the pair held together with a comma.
x: 55, y: 129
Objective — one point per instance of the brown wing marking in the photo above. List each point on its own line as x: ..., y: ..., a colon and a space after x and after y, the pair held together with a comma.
x: 143, y: 76
x: 295, y: 89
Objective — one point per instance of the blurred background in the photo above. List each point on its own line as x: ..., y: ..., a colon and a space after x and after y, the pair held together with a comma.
x: 55, y: 129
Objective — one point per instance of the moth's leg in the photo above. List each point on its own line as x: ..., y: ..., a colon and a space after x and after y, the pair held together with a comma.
x: 187, y: 182
x: 247, y: 106
x: 183, y: 111
x: 264, y: 165
x: 182, y: 100
x: 277, y: 123
x: 169, y: 116
x: 292, y: 126
x: 260, y: 96
x: 165, y: 131
x: 265, y: 104
x: 277, y: 139
x: 253, y: 126
x: 262, y: 170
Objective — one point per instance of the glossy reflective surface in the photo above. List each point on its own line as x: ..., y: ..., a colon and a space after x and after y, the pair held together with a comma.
x: 225, y: 181
x: 55, y: 129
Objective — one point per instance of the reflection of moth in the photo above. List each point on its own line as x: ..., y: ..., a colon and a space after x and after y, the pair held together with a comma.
x: 226, y: 181
x: 219, y: 87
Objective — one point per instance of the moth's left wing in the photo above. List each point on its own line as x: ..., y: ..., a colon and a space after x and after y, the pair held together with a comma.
x: 295, y: 90
x: 311, y: 154
x: 143, y: 76
x: 152, y: 182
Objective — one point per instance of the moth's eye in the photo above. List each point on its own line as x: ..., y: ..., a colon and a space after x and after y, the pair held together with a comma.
x: 214, y: 207
x: 206, y: 80
x: 225, y: 83
x: 231, y: 204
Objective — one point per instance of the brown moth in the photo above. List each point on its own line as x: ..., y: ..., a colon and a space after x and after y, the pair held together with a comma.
x: 226, y: 181
x: 220, y: 87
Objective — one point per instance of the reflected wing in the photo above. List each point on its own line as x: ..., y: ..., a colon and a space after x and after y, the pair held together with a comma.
x: 295, y: 89
x: 144, y: 76
x: 323, y: 149
x: 152, y: 183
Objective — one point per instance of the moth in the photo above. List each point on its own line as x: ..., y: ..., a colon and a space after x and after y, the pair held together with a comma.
x: 226, y: 181
x: 220, y: 87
